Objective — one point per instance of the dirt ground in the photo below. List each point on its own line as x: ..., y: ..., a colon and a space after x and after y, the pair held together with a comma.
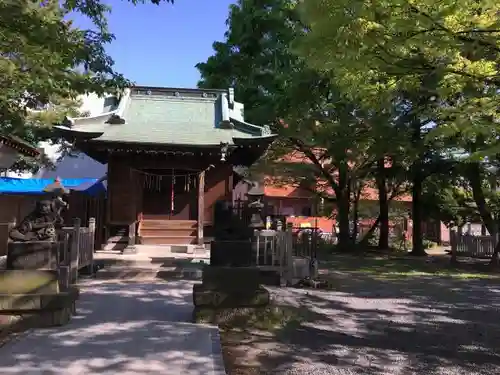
x: 367, y: 325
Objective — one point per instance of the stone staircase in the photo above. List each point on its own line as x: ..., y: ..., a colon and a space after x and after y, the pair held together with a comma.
x: 118, y: 240
x: 158, y: 230
x: 150, y: 262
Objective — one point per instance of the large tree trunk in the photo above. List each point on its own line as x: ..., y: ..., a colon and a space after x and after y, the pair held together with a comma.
x: 417, y: 182
x: 474, y: 176
x: 494, y: 258
x: 343, y: 195
x: 357, y: 188
x: 369, y: 234
x: 344, y: 237
x: 383, y: 242
x: 355, y: 221
x: 417, y: 240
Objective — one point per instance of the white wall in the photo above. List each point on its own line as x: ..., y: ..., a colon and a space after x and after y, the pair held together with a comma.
x: 93, y: 105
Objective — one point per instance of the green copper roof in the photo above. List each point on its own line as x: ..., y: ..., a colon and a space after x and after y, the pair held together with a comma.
x: 170, y: 117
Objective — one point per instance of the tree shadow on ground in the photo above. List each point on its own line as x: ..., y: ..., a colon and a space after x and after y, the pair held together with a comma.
x: 120, y: 328
x: 428, y: 325
x: 403, y: 265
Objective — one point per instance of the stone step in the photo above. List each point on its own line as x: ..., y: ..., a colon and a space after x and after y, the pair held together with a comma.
x: 116, y: 239
x: 133, y: 273
x: 115, y: 246
x: 166, y: 232
x: 164, y: 221
x: 168, y: 240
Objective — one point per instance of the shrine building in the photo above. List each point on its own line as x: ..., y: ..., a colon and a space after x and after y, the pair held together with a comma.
x: 11, y: 148
x: 170, y: 155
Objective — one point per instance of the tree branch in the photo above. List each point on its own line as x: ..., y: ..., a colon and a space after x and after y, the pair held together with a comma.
x: 307, y: 151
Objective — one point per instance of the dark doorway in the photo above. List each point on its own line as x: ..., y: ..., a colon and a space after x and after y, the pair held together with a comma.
x: 172, y: 194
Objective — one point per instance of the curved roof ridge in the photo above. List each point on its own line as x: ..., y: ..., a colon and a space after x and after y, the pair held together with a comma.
x: 101, y: 117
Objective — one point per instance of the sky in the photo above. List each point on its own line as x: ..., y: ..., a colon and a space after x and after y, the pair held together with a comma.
x: 160, y: 45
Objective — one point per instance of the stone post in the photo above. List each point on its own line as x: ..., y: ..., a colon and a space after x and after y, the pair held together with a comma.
x: 92, y: 243
x: 75, y: 251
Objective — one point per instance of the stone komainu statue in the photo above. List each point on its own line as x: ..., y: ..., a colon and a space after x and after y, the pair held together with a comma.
x: 40, y: 225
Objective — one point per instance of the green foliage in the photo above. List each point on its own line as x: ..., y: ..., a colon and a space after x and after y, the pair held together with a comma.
x: 44, y: 59
x: 338, y: 138
x: 447, y: 50
x: 449, y: 200
x: 256, y: 59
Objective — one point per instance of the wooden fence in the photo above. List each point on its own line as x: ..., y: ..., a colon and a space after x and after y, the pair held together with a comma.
x: 275, y: 250
x: 4, y: 236
x: 76, y: 250
x: 85, y: 207
x: 466, y: 245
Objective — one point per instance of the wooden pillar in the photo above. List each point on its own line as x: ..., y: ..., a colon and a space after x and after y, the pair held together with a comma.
x: 75, y: 251
x: 201, y: 206
x: 91, y: 249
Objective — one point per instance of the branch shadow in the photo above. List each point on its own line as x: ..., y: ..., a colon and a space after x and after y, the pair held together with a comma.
x: 121, y: 328
x: 431, y: 325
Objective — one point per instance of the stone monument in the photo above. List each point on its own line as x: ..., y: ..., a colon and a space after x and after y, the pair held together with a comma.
x: 232, y: 282
x: 33, y: 243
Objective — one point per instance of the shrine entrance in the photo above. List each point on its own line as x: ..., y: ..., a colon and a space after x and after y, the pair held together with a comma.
x: 170, y: 194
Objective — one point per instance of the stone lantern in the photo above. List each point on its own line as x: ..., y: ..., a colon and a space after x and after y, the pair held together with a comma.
x: 256, y: 205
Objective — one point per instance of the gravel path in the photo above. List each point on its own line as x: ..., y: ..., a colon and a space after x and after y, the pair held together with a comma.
x: 407, y: 327
x: 121, y: 328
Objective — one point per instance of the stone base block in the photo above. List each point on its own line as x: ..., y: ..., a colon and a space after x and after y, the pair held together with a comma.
x: 130, y: 249
x: 203, y: 296
x: 271, y: 278
x: 231, y: 278
x: 235, y: 253
x: 43, y: 319
x: 29, y: 282
x: 24, y: 311
x: 244, y: 317
x: 32, y: 255
x: 38, y: 301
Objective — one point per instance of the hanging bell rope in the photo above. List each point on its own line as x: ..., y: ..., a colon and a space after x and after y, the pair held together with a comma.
x: 171, y: 174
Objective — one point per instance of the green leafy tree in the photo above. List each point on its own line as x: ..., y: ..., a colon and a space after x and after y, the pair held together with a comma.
x: 383, y: 49
x: 256, y: 59
x: 437, y: 61
x: 312, y: 116
x: 275, y: 84
x: 45, y: 59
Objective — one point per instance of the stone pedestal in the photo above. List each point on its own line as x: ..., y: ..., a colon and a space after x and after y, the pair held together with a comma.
x: 217, y: 298
x: 130, y: 249
x: 235, y: 279
x: 33, y: 299
x: 233, y: 253
x: 33, y: 255
x: 225, y: 290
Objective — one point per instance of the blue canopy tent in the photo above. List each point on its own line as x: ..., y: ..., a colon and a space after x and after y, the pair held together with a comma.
x: 91, y: 186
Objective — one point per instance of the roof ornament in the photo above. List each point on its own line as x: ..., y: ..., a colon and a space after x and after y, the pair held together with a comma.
x: 114, y: 119
x: 224, y: 148
x: 68, y: 122
x: 226, y: 119
x: 226, y: 124
x: 230, y: 92
x: 266, y: 130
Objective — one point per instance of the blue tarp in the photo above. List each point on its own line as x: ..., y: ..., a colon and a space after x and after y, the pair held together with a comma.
x: 10, y: 185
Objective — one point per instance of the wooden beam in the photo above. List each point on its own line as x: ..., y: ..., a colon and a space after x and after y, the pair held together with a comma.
x: 201, y: 206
